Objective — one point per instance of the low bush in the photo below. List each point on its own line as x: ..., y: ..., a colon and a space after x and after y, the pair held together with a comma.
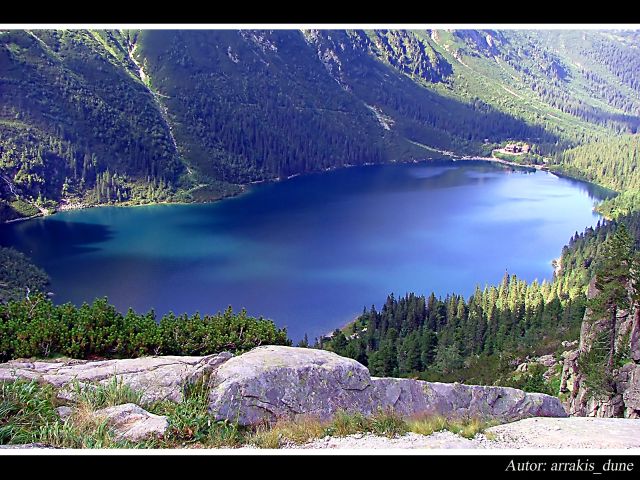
x: 35, y: 327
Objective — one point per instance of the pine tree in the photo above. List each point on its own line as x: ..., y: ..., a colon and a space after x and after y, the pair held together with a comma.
x: 612, y: 279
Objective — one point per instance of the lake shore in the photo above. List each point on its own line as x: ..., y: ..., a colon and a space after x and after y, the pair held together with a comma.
x: 506, y: 162
x: 244, y: 188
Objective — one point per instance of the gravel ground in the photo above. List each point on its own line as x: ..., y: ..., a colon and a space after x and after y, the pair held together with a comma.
x: 438, y: 440
x: 530, y: 433
x: 576, y: 432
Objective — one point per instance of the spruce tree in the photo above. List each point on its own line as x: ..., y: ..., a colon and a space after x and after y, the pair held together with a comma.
x: 613, y: 275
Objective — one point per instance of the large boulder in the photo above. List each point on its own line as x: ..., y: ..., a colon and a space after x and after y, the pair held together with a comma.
x: 157, y: 378
x: 275, y: 382
x: 272, y: 382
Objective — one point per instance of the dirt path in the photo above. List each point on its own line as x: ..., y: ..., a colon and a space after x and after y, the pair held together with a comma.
x: 576, y: 432
x: 555, y: 433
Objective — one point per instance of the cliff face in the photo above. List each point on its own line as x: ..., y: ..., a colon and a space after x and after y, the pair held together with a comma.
x: 625, y: 399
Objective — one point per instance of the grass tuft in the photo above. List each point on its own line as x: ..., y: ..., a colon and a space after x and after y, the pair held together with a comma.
x: 191, y: 423
x: 344, y: 424
x: 285, y: 432
x: 388, y: 423
x: 81, y: 430
x: 465, y: 427
x: 305, y: 429
x: 116, y: 392
x: 24, y: 407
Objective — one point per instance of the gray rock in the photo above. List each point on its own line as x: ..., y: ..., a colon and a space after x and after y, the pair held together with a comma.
x: 624, y: 401
x: 64, y: 412
x: 157, y: 378
x: 26, y: 446
x: 275, y: 382
x: 631, y: 395
x: 272, y: 382
x: 131, y: 422
x: 635, y: 337
x: 547, y: 360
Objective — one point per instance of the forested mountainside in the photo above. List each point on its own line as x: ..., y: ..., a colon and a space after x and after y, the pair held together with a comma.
x: 613, y: 163
x: 19, y: 277
x: 477, y: 340
x: 146, y: 116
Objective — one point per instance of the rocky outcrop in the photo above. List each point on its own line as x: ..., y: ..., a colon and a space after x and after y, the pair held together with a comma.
x: 133, y: 423
x: 157, y: 378
x: 273, y: 382
x: 625, y: 398
x: 629, y: 384
x: 547, y: 361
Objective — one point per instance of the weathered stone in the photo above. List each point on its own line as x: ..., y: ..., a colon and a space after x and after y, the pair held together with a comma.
x: 634, y: 340
x: 26, y: 446
x: 64, y: 412
x: 275, y: 382
x: 547, y: 360
x: 631, y: 395
x: 624, y: 399
x: 131, y: 422
x: 157, y: 378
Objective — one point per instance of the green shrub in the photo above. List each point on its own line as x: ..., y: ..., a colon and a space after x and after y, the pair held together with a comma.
x: 533, y: 381
x: 36, y: 327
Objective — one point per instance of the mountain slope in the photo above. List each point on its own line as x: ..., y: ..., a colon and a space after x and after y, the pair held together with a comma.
x: 73, y: 110
x: 141, y: 116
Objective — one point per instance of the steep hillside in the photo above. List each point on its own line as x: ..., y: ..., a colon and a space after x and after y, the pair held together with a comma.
x: 612, y: 162
x: 76, y: 119
x: 252, y: 105
x: 19, y: 277
x: 578, y: 84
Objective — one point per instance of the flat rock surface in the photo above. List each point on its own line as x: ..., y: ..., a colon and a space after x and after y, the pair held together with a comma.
x: 552, y: 433
x: 157, y: 378
x: 575, y: 432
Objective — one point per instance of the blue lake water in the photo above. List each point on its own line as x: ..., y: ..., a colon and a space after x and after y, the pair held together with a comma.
x: 312, y: 251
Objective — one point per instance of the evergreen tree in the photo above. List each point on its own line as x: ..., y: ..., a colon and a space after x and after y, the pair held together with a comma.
x: 612, y: 280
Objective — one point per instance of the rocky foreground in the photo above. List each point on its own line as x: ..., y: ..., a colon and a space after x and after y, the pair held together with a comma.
x: 273, y: 382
